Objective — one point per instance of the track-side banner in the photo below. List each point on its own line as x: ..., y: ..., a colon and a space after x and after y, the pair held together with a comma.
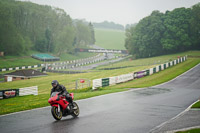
x: 140, y: 74
x: 123, y: 78
x: 9, y: 93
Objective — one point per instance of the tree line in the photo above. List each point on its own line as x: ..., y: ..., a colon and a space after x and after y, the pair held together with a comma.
x: 27, y: 26
x: 165, y: 33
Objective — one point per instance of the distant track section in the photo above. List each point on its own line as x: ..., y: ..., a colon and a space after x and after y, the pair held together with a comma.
x: 102, y: 51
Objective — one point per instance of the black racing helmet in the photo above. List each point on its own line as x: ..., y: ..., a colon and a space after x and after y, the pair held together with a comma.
x: 54, y: 83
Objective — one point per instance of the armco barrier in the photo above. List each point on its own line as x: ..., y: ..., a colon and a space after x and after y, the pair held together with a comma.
x: 126, y: 77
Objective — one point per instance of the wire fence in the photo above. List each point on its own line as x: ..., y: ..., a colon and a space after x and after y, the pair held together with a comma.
x: 79, y: 84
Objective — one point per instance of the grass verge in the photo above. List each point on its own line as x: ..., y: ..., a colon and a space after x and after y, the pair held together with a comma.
x: 18, y: 61
x: 159, y: 77
x: 190, y: 131
x: 196, y: 105
x: 30, y: 102
x: 17, y: 104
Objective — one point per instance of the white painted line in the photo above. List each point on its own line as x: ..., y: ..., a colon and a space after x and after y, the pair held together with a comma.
x: 184, y: 129
x: 179, y: 115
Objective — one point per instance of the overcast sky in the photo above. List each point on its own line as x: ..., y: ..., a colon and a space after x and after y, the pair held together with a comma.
x: 119, y: 11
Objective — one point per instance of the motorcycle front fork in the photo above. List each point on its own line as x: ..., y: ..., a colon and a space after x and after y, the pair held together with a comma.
x: 58, y: 107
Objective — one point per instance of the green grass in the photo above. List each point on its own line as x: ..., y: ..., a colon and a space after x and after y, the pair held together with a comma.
x: 30, y: 102
x: 196, y: 105
x: 17, y: 61
x: 82, y: 55
x: 190, y: 131
x: 159, y: 77
x: 44, y: 86
x: 149, y: 61
x: 43, y: 83
x: 110, y: 39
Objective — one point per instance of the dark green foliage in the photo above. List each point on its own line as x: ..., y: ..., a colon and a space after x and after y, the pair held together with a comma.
x: 157, y: 34
x: 92, y: 41
x: 25, y: 26
x: 176, y: 36
x: 195, y: 26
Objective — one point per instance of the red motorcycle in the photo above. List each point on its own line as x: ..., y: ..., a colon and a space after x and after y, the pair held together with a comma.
x: 60, y: 106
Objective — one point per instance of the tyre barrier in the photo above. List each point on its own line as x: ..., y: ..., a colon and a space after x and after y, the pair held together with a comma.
x: 43, y: 65
x: 21, y: 68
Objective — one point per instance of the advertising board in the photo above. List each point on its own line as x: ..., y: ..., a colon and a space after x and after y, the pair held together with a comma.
x: 9, y: 93
x: 140, y: 74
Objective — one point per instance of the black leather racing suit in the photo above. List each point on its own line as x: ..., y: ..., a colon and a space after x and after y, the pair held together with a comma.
x: 62, y: 90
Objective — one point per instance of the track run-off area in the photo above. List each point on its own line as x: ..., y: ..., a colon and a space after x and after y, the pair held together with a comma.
x: 137, y: 110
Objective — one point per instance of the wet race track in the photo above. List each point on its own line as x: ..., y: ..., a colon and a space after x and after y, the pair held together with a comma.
x: 134, y: 111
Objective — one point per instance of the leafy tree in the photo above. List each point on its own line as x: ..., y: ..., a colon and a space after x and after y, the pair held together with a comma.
x: 25, y: 26
x: 176, y: 36
x: 48, y: 36
x: 92, y: 36
x: 65, y: 40
x: 144, y: 39
x: 195, y: 26
x: 84, y: 33
x: 11, y: 41
x: 157, y: 34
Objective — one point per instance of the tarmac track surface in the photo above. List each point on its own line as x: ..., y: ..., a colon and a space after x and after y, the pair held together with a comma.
x: 134, y: 111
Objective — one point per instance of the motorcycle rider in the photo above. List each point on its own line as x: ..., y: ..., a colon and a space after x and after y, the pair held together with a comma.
x: 62, y: 90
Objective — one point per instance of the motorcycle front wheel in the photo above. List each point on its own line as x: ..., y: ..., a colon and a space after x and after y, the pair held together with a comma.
x: 56, y: 113
x: 75, y: 110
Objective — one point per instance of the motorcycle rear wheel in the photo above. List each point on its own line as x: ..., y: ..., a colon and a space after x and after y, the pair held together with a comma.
x: 75, y: 112
x: 57, y: 115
